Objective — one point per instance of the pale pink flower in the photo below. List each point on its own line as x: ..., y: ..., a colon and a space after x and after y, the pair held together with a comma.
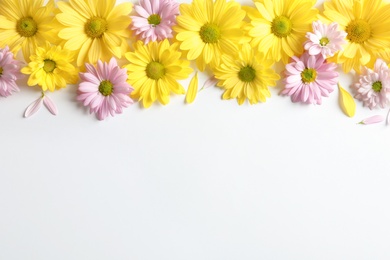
x: 9, y: 72
x: 154, y: 19
x: 325, y: 39
x: 104, y: 89
x: 373, y: 87
x: 309, y: 78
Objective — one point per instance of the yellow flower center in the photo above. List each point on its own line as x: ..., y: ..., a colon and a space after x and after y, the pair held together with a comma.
x: 324, y: 41
x: 26, y: 27
x: 358, y: 31
x: 308, y: 75
x: 155, y: 70
x: 247, y: 74
x: 154, y: 20
x: 106, y: 88
x: 281, y: 26
x: 49, y: 66
x: 210, y: 33
x: 96, y: 27
x: 377, y: 86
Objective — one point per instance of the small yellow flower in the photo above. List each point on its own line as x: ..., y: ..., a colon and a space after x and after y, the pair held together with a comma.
x: 51, y: 68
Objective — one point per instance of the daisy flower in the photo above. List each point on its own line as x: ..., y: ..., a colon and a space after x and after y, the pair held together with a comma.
x: 278, y: 27
x: 9, y: 72
x: 154, y: 19
x: 104, y: 89
x: 154, y: 70
x: 246, y: 75
x: 367, y: 25
x: 207, y: 29
x: 95, y: 29
x: 325, y: 39
x: 373, y: 87
x: 309, y: 78
x: 51, y: 68
x: 26, y: 25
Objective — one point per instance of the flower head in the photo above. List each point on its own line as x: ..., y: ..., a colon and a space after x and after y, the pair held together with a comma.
x: 154, y: 19
x: 9, y: 72
x: 104, y: 89
x: 367, y: 30
x: 309, y: 78
x: 207, y: 29
x: 278, y: 27
x: 26, y: 25
x: 373, y: 87
x: 95, y: 29
x: 325, y: 39
x: 246, y: 75
x: 51, y: 68
x: 154, y: 70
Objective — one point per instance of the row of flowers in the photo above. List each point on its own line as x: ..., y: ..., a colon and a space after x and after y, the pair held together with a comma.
x: 83, y: 42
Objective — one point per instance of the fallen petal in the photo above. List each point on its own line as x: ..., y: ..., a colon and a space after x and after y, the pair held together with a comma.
x: 212, y: 81
x: 33, y: 107
x: 372, y: 120
x: 49, y: 104
x: 192, y: 89
x: 346, y: 101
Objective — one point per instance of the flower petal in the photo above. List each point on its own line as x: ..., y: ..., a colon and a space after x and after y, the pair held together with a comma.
x: 49, y: 104
x: 33, y: 107
x: 347, y: 103
x: 192, y: 89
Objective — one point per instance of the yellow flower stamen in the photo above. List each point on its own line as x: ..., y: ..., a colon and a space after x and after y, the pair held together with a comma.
x: 377, y: 86
x: 247, y: 74
x: 308, y: 75
x: 106, y: 88
x: 155, y: 70
x: 154, y: 20
x: 1, y: 71
x: 26, y: 27
x: 324, y: 41
x: 49, y: 66
x: 281, y: 26
x: 358, y: 31
x: 210, y: 33
x: 96, y: 27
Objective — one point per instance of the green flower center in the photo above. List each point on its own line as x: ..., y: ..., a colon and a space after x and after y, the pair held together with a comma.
x: 247, y: 74
x: 281, y: 26
x: 154, y: 20
x: 96, y: 27
x: 210, y: 33
x: 308, y: 75
x: 358, y: 31
x: 324, y: 41
x: 1, y: 71
x: 26, y: 27
x: 106, y: 88
x: 377, y: 86
x: 49, y: 65
x: 155, y: 70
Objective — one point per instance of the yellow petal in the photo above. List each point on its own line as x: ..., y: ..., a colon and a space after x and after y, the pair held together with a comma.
x: 192, y: 89
x: 347, y: 103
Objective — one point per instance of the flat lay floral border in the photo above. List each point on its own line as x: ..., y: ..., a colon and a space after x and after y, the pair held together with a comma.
x: 79, y: 42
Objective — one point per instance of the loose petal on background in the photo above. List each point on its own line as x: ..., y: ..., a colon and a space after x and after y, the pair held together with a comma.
x: 212, y: 81
x: 192, y: 89
x: 49, y: 104
x: 33, y: 107
x: 371, y: 120
x: 346, y: 101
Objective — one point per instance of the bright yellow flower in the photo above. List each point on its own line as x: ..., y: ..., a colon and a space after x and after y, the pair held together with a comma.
x: 207, y: 29
x: 26, y: 25
x: 51, y: 68
x: 246, y: 75
x: 154, y: 70
x: 95, y: 29
x: 279, y: 26
x: 367, y: 25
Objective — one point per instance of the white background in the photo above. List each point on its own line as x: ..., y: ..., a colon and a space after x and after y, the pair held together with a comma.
x: 210, y: 180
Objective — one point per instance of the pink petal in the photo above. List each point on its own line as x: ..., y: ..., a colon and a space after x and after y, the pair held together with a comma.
x: 372, y: 120
x: 212, y: 81
x: 49, y: 104
x: 33, y: 107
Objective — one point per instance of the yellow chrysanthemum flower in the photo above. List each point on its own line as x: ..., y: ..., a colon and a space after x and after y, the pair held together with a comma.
x: 367, y: 25
x: 26, y: 25
x: 51, y: 68
x: 95, y: 29
x: 246, y: 75
x: 207, y: 29
x: 279, y: 26
x: 154, y: 70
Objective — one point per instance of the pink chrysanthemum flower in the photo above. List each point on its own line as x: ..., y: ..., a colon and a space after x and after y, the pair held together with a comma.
x: 104, y: 89
x: 155, y: 19
x: 309, y: 78
x: 9, y: 72
x: 373, y: 87
x: 325, y: 39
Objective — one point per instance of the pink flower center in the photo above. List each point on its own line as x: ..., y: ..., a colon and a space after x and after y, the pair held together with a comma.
x: 154, y: 20
x: 26, y: 27
x: 106, y: 88
x: 324, y: 41
x: 308, y: 75
x: 377, y: 86
x: 1, y: 71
